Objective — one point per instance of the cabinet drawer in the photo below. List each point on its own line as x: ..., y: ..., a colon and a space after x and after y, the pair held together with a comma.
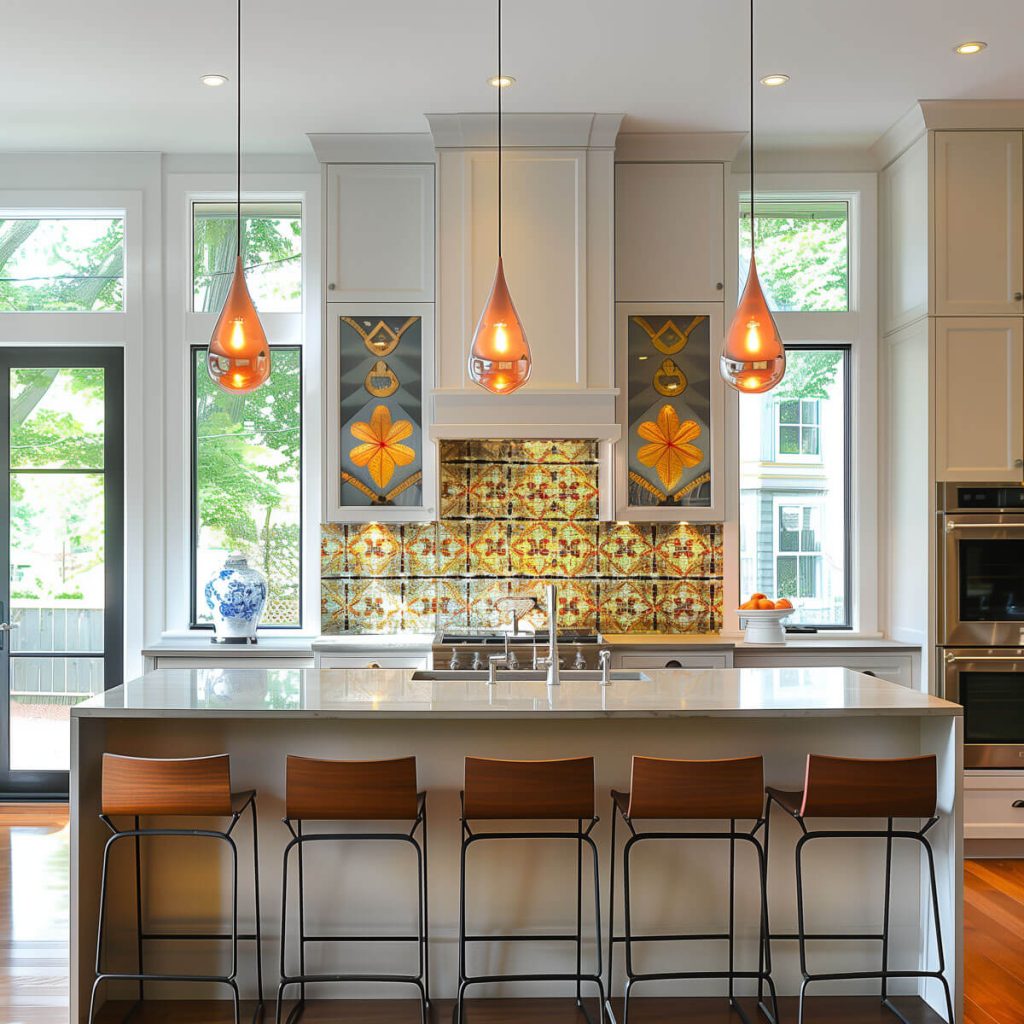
x: 990, y: 814
x: 677, y: 659
x: 371, y: 661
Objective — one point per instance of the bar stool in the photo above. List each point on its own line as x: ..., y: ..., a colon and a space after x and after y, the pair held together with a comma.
x: 669, y: 789
x: 195, y: 787
x: 531, y: 791
x: 849, y: 787
x: 318, y: 790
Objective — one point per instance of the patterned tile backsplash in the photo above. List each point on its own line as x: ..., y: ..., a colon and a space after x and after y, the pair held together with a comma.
x: 516, y: 515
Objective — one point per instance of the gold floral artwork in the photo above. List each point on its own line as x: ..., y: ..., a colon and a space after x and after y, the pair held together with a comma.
x: 381, y: 451
x: 669, y: 450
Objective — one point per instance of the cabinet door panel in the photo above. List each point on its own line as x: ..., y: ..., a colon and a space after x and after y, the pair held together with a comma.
x: 380, y: 232
x: 669, y: 232
x: 979, y: 395
x: 979, y: 234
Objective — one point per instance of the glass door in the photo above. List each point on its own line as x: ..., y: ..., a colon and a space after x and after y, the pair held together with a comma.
x: 61, y: 509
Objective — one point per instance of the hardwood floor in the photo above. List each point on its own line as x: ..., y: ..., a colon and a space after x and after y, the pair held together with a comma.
x: 34, y: 954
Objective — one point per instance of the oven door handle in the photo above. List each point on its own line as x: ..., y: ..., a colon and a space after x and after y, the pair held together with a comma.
x: 951, y: 657
x: 952, y: 525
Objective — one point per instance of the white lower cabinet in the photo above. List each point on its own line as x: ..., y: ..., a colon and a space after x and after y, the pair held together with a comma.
x: 370, y: 660
x: 197, y: 661
x: 993, y: 805
x: 895, y: 666
x: 673, y: 659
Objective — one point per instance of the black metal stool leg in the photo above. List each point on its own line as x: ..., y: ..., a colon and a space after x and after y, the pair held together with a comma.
x: 138, y: 908
x: 256, y: 895
x: 764, y: 955
x: 611, y: 908
x: 302, y: 922
x: 885, y: 913
x: 800, y: 929
x: 579, y: 911
x: 732, y: 912
x: 426, y: 916
x: 938, y: 927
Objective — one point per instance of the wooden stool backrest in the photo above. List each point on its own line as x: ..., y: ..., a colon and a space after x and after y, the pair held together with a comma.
x: 529, y: 789
x: 194, y: 786
x: 351, y: 790
x: 853, y: 787
x: 663, y: 787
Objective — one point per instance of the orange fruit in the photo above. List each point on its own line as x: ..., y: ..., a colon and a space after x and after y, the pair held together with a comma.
x: 766, y: 605
x: 748, y: 605
x: 783, y: 602
x: 758, y: 596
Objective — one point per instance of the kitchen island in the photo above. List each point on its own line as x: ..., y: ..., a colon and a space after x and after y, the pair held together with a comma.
x: 260, y: 715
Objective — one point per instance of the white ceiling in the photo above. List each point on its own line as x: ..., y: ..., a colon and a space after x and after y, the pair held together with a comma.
x: 114, y: 75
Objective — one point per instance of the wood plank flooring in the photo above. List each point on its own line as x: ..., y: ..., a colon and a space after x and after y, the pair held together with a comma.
x: 34, y: 954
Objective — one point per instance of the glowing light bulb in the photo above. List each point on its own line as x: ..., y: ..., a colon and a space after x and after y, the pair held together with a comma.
x: 238, y: 359
x: 500, y: 359
x: 753, y: 357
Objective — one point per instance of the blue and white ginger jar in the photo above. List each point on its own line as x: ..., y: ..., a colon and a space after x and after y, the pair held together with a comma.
x: 236, y: 596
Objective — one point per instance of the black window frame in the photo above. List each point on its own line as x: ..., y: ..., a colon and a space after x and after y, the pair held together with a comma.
x: 194, y: 368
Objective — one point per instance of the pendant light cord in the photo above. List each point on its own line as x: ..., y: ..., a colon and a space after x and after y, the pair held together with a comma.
x: 238, y: 142
x: 752, y: 218
x: 500, y: 88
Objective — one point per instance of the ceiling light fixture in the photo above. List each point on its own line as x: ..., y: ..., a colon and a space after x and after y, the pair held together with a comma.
x: 500, y: 359
x: 753, y: 358
x: 501, y: 81
x: 970, y: 48
x: 238, y: 358
x: 774, y: 80
x: 214, y: 80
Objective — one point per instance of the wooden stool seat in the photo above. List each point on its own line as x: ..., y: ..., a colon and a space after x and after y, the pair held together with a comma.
x: 323, y: 790
x: 523, y: 790
x: 188, y: 786
x: 665, y: 787
x: 855, y: 787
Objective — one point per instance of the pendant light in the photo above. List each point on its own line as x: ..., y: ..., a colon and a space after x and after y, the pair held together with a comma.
x: 500, y: 359
x: 753, y: 358
x: 238, y: 358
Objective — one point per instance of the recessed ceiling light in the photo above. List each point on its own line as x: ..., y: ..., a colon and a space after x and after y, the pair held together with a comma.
x: 773, y: 80
x: 966, y: 49
x: 501, y: 81
x: 214, y: 80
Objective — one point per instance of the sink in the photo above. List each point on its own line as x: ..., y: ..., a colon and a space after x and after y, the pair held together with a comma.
x: 568, y: 675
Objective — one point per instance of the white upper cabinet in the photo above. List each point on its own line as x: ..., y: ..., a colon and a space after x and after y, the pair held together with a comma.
x: 979, y: 398
x: 380, y: 233
x: 669, y: 232
x: 979, y: 234
x: 904, y: 237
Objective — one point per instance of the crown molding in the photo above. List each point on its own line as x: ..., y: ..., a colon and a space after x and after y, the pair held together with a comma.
x: 525, y: 131
x: 678, y: 147
x: 372, y: 148
x: 982, y: 115
x: 897, y: 139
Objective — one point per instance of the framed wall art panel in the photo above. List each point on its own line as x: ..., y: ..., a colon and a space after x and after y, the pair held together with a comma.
x: 669, y: 463
x: 378, y: 459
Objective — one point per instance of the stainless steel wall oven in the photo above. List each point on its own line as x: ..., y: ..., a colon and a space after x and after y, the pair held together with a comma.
x: 981, y: 617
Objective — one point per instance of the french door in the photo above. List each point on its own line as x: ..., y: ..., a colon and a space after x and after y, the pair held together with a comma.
x: 61, y: 565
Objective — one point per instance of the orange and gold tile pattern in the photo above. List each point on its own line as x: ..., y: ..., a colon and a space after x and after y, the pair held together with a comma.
x: 516, y: 515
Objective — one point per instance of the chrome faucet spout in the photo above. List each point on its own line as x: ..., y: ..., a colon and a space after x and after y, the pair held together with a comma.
x: 553, y: 665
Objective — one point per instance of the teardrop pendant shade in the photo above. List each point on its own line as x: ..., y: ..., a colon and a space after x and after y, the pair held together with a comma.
x: 239, y: 356
x: 500, y: 359
x: 753, y: 357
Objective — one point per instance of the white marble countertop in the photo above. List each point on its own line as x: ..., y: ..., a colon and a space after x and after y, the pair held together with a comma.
x: 395, y: 693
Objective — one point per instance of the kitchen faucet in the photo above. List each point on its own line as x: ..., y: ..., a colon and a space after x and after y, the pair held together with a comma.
x: 551, y: 662
x: 514, y: 600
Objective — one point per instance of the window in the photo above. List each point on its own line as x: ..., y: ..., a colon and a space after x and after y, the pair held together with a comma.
x: 71, y: 263
x: 799, y: 429
x: 803, y: 253
x: 247, y: 483
x: 797, y: 550
x: 271, y: 252
x: 794, y: 487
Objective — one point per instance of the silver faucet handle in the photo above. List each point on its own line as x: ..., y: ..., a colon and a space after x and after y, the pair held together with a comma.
x: 478, y: 661
x: 604, y: 659
x: 513, y: 660
x: 579, y: 662
x: 494, y: 662
x: 453, y: 664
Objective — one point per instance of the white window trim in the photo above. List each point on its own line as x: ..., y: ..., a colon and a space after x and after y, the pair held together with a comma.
x: 857, y: 328
x: 184, y: 329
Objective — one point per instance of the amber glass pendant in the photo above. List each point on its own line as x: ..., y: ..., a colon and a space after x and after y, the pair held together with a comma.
x: 753, y: 357
x: 239, y: 357
x: 500, y: 359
